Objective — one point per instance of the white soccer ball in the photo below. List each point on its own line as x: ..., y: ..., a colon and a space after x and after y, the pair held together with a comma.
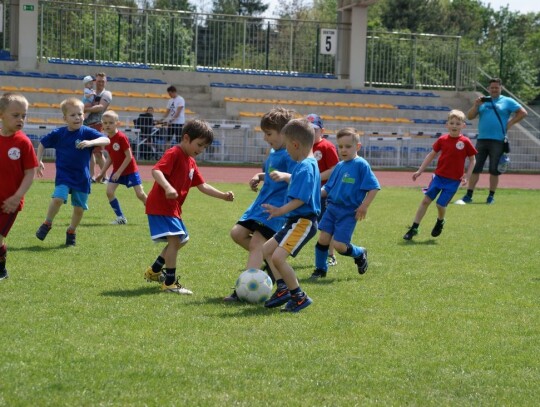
x: 254, y: 286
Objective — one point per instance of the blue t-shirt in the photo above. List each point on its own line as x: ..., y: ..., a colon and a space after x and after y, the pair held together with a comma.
x: 272, y: 192
x: 305, y: 185
x: 489, y: 126
x: 349, y: 183
x: 72, y: 164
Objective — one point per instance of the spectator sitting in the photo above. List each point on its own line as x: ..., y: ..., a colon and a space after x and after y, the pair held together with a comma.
x: 145, y: 123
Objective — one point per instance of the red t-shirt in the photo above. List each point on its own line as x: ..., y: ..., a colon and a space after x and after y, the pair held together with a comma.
x: 326, y: 155
x: 182, y: 173
x: 16, y: 156
x: 117, y: 151
x: 454, y: 151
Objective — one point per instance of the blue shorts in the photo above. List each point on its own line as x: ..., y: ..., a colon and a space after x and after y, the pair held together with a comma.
x: 129, y: 180
x: 339, y: 223
x: 296, y: 233
x: 163, y: 226
x: 78, y: 198
x: 446, y: 186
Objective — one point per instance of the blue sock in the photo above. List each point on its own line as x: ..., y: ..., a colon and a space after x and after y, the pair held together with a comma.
x: 281, y: 284
x: 321, y: 255
x: 116, y: 207
x: 296, y: 291
x: 353, y: 251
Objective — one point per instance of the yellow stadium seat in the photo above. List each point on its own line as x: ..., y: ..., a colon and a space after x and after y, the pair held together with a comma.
x: 55, y: 121
x: 62, y: 91
x: 135, y: 94
x: 9, y: 88
x: 28, y: 89
x: 44, y: 105
x: 48, y: 90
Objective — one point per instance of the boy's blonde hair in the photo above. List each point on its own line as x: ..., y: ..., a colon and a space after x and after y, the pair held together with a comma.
x: 70, y: 102
x: 277, y: 118
x: 300, y: 130
x: 457, y: 114
x: 11, y: 97
x: 111, y: 113
x: 348, y: 131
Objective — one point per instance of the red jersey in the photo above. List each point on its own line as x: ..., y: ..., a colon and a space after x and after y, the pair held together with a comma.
x: 16, y: 156
x: 117, y: 151
x: 326, y: 155
x: 454, y: 151
x: 182, y: 173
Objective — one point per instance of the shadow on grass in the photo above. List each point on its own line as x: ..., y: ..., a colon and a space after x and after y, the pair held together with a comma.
x: 429, y: 242
x: 137, y: 292
x: 39, y: 248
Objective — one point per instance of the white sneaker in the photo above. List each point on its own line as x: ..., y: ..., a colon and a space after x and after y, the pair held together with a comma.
x: 175, y: 288
x: 120, y: 220
x: 460, y: 202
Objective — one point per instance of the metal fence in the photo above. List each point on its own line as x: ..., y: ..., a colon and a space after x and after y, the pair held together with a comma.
x: 168, y: 39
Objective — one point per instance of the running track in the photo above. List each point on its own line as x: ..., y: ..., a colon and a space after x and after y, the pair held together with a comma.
x: 386, y: 178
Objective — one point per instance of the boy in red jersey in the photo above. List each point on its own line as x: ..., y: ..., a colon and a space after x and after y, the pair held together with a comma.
x: 18, y: 163
x: 455, y: 148
x: 174, y: 174
x: 125, y: 170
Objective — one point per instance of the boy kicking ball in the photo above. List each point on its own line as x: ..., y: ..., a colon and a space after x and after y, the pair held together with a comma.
x: 454, y: 149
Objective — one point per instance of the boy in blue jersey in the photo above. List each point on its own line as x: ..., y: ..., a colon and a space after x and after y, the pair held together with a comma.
x: 254, y: 228
x: 301, y: 208
x: 349, y: 191
x: 73, y: 144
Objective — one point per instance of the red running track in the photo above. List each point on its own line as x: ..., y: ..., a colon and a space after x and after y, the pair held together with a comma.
x: 386, y: 178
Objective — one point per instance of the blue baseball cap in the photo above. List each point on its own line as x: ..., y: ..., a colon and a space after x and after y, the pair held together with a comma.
x: 315, y: 121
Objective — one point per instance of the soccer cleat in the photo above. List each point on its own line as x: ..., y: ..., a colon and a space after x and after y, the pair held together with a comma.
x: 361, y: 262
x: 120, y: 220
x: 437, y: 229
x: 297, y: 303
x: 42, y: 231
x: 410, y: 233
x: 233, y: 297
x: 318, y: 273
x: 467, y: 199
x: 4, y: 274
x: 331, y: 260
x: 175, y: 288
x: 70, y: 239
x: 490, y: 200
x: 280, y: 297
x: 150, y: 276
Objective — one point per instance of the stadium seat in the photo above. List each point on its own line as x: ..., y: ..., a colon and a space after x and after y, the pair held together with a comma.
x: 9, y: 88
x: 51, y: 90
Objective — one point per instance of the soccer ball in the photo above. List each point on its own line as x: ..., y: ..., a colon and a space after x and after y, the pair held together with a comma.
x: 253, y: 286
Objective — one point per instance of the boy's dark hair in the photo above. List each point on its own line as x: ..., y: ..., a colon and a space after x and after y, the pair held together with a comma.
x: 495, y: 80
x: 348, y: 131
x: 171, y: 88
x: 12, y: 97
x: 277, y: 118
x: 300, y: 130
x: 198, y: 129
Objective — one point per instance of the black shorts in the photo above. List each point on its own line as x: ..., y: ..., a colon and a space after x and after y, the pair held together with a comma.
x: 488, y: 148
x: 255, y: 226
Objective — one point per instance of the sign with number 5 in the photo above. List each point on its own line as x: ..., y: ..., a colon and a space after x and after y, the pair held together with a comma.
x: 328, y: 41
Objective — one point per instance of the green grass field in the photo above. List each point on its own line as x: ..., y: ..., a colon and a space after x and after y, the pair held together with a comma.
x: 447, y: 321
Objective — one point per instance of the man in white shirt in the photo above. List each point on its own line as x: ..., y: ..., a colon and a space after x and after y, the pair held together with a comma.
x: 175, y: 117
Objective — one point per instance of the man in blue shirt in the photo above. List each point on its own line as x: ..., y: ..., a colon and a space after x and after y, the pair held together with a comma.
x: 497, y: 114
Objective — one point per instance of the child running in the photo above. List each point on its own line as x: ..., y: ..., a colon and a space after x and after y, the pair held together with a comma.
x: 125, y: 170
x: 454, y: 149
x: 174, y: 174
x: 349, y: 191
x: 301, y: 209
x: 254, y: 228
x: 73, y: 144
x: 18, y: 164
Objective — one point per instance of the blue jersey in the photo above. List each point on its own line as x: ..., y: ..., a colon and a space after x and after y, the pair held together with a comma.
x: 272, y: 192
x: 305, y: 185
x: 350, y: 182
x: 72, y: 164
x: 489, y: 126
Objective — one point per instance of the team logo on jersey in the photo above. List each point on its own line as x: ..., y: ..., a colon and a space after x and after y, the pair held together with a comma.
x: 77, y: 142
x: 460, y: 145
x: 14, y: 153
x: 347, y: 179
x: 191, y: 172
x: 317, y: 155
x: 116, y: 146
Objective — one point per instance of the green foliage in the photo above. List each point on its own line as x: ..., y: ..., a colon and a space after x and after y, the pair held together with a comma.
x: 446, y: 321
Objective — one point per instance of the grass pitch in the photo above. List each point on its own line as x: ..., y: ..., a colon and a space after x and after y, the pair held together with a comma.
x: 446, y: 321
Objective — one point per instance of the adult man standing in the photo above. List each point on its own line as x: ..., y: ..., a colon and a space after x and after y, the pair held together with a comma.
x: 102, y: 100
x: 497, y: 114
x: 175, y: 116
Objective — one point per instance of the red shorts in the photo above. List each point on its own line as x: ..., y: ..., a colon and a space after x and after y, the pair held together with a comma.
x: 99, y: 127
x: 6, y: 222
